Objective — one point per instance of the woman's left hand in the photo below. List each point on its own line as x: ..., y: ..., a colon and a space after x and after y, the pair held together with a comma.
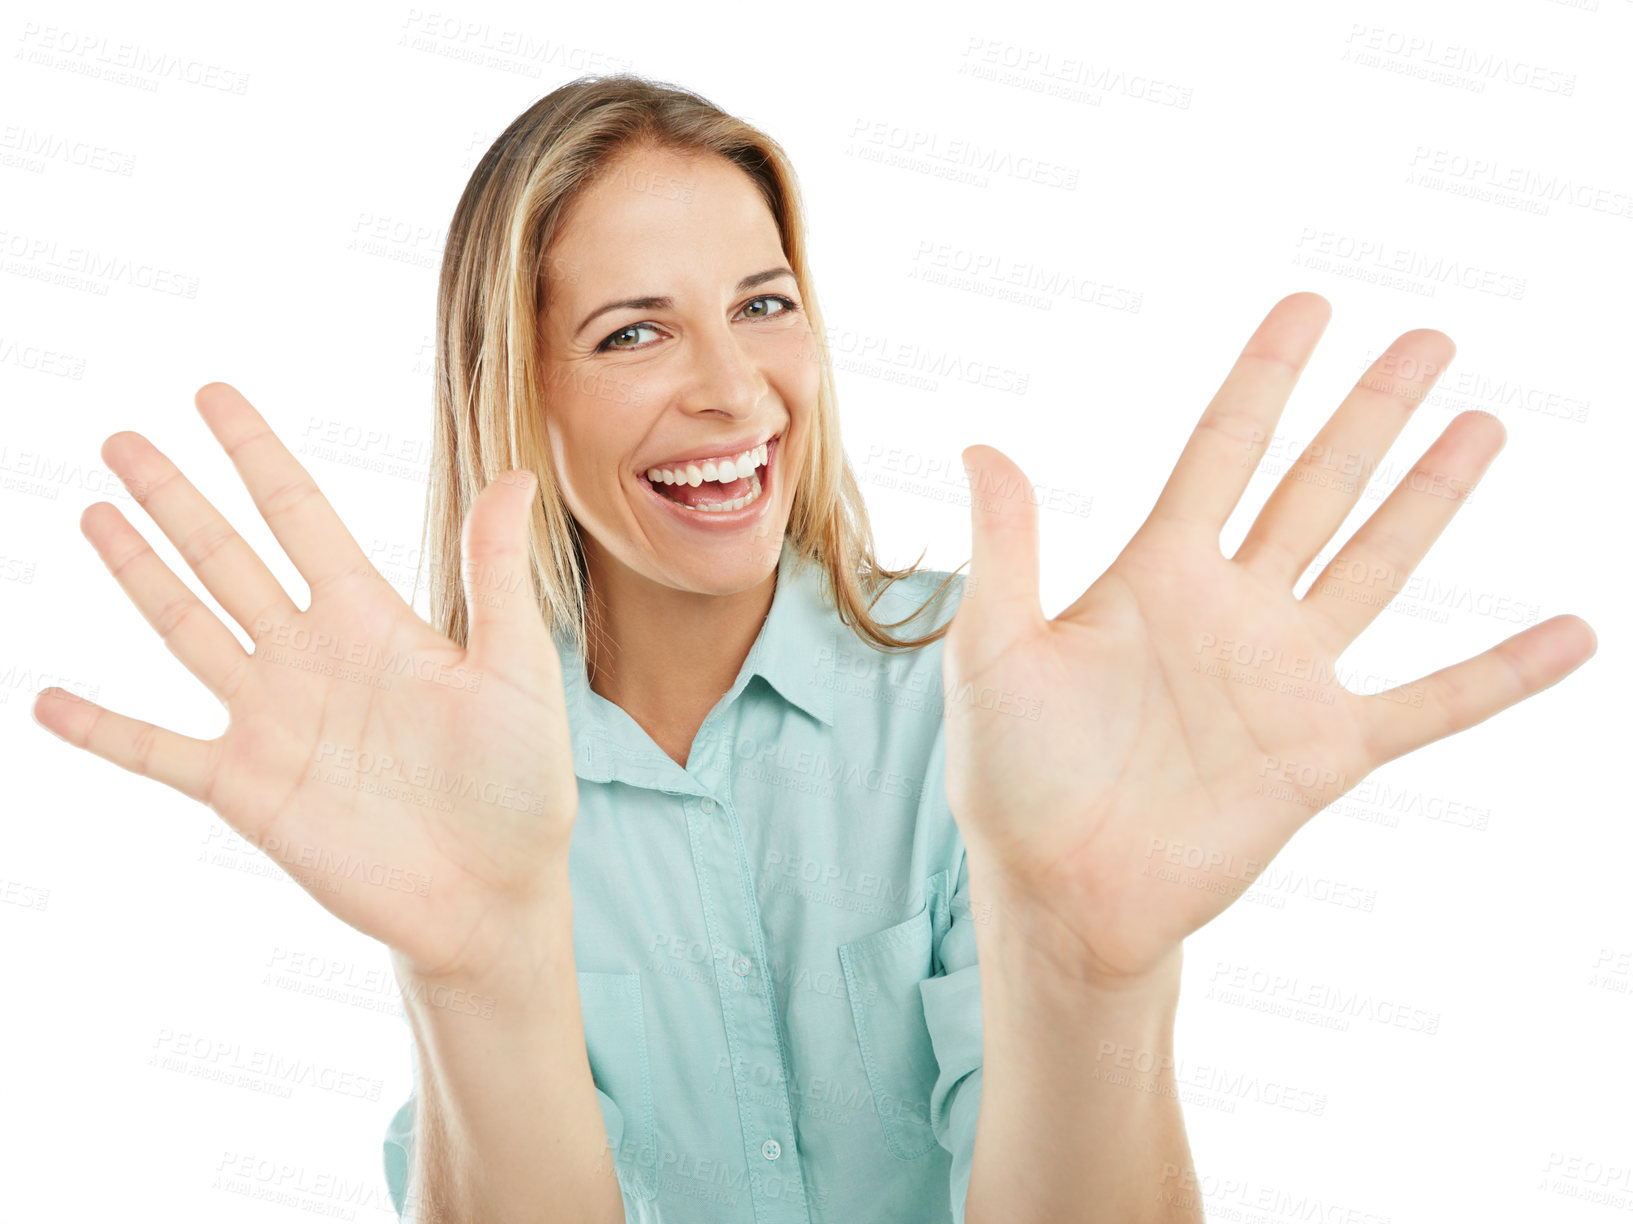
x: 1121, y: 772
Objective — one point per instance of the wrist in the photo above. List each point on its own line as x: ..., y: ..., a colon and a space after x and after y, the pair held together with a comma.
x: 1038, y: 975
x: 526, y: 956
x: 1024, y: 936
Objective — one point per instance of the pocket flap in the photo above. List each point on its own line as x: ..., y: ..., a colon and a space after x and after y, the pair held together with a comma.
x: 882, y: 975
x: 615, y: 1039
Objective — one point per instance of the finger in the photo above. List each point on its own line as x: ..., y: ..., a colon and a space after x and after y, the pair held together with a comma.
x: 229, y: 568
x: 1403, y: 719
x: 1002, y: 585
x: 286, y: 495
x: 1312, y: 499
x: 506, y: 622
x: 1231, y: 435
x: 193, y: 633
x: 179, y: 761
x: 1373, y: 566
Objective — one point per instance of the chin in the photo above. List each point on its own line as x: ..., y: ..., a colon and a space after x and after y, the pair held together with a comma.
x: 725, y: 565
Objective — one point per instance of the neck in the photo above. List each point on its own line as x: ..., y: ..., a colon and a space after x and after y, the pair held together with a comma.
x: 665, y: 656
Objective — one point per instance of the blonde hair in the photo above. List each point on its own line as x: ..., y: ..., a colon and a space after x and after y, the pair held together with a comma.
x: 491, y: 389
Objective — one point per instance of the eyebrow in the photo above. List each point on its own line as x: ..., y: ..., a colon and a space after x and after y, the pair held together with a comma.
x: 665, y: 303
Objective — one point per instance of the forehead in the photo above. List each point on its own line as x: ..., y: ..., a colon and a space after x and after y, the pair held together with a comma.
x: 654, y: 216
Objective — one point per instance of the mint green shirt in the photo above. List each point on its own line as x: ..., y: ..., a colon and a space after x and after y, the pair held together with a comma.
x: 776, y: 963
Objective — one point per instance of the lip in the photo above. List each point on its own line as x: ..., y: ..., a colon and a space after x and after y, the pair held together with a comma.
x: 723, y: 520
x: 727, y: 450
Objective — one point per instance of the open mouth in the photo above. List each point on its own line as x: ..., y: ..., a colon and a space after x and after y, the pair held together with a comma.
x: 716, y: 498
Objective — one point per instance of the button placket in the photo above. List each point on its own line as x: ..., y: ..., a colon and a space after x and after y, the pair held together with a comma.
x: 758, y: 1067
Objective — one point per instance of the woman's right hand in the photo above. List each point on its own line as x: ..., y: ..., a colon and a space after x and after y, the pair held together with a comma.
x: 422, y: 793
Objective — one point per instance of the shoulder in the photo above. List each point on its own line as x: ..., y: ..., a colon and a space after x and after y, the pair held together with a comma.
x: 896, y: 683
x: 936, y: 592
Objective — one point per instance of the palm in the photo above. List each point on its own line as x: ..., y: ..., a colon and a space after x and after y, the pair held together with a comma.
x: 416, y: 788
x: 373, y: 798
x: 1190, y: 713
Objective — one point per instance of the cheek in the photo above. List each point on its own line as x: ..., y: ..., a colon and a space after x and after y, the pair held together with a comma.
x: 574, y: 462
x: 798, y: 372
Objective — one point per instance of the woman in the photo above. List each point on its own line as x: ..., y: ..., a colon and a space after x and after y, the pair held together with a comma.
x: 684, y: 924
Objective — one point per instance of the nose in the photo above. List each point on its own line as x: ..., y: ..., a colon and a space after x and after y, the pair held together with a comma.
x: 723, y: 377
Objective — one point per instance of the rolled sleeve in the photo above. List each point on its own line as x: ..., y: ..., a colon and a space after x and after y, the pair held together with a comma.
x: 952, y: 1012
x: 398, y: 1148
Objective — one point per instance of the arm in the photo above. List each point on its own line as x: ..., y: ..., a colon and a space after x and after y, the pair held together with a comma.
x: 1120, y: 770
x: 1080, y: 1116
x: 508, y: 1125
x: 508, y: 1096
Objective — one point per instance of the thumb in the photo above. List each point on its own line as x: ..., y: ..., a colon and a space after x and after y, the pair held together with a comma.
x: 502, y: 607
x: 1002, y: 589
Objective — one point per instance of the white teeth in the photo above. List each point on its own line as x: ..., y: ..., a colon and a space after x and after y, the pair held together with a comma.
x: 694, y: 474
x: 736, y: 503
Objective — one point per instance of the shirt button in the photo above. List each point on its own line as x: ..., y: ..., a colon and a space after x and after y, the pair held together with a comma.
x: 771, y: 1149
x: 741, y: 966
x: 708, y: 805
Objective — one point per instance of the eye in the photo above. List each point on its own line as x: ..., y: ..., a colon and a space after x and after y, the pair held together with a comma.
x: 784, y: 304
x: 622, y: 332
x: 755, y: 308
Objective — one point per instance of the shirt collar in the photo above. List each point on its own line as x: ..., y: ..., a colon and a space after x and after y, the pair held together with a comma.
x: 795, y: 652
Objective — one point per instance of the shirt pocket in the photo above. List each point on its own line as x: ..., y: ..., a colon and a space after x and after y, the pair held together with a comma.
x: 882, y: 975
x: 615, y: 1038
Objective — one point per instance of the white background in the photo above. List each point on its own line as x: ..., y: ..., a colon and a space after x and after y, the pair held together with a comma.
x: 1214, y: 149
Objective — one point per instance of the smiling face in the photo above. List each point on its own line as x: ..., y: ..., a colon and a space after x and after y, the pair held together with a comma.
x: 676, y: 332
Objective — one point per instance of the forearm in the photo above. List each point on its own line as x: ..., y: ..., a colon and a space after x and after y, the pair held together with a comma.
x: 1080, y: 1117
x: 508, y: 1126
